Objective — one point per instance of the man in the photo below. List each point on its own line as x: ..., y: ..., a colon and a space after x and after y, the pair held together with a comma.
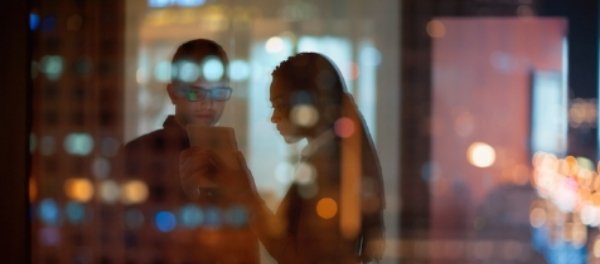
x: 208, y: 232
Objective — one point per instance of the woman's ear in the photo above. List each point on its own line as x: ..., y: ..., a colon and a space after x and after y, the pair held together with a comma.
x: 171, y: 92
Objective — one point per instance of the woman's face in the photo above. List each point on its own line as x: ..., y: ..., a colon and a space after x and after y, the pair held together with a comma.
x: 281, y: 102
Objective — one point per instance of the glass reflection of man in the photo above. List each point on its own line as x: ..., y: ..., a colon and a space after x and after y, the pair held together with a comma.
x: 178, y: 227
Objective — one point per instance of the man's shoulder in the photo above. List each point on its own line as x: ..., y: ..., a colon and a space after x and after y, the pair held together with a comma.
x: 146, y: 139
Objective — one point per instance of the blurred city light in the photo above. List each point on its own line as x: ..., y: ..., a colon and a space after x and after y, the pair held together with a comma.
x: 34, y: 21
x: 186, y: 71
x: 191, y: 216
x: 75, y: 212
x: 162, y: 71
x: 238, y: 70
x: 344, y: 127
x: 49, y: 212
x: 79, y: 144
x: 165, y: 221
x: 436, y: 29
x: 305, y: 173
x: 52, y: 66
x: 326, y: 208
x: 133, y: 192
x: 274, y: 45
x: 109, y: 191
x: 481, y: 155
x: 236, y: 216
x: 79, y: 189
x: 213, y: 69
x: 304, y: 115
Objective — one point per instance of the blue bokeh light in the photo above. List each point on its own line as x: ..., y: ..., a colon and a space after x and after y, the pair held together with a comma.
x: 49, y: 212
x: 237, y: 216
x: 191, y: 216
x: 34, y: 21
x: 165, y: 221
x: 212, y: 217
x: 75, y: 212
x: 190, y: 3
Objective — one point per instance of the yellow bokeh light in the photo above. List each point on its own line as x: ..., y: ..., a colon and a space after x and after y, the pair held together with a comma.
x: 481, y: 155
x: 133, y: 192
x: 79, y: 189
x: 327, y: 208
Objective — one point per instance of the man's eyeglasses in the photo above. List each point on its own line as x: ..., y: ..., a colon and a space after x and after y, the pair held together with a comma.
x: 196, y: 93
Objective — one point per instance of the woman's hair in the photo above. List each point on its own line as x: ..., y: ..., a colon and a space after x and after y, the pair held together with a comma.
x: 312, y: 78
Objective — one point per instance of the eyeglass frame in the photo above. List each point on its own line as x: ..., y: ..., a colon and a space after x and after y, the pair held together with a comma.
x: 183, y: 90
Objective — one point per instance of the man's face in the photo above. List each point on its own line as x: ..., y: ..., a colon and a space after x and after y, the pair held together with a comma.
x: 199, y: 103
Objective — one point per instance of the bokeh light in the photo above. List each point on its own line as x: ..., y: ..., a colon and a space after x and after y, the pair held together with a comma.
x: 34, y: 21
x: 165, y: 221
x: 274, y: 45
x: 79, y: 144
x: 537, y: 217
x: 79, y: 189
x: 134, y: 191
x: 344, y: 127
x: 49, y: 236
x: 304, y: 115
x: 236, y: 216
x: 191, y: 216
x: 186, y: 71
x: 481, y: 155
x: 52, y: 66
x: 213, y: 69
x: 109, y: 191
x: 305, y: 173
x: 134, y: 218
x: 327, y: 208
x: 284, y: 172
x: 436, y: 29
x: 75, y: 212
x: 48, y: 211
x: 238, y: 70
x: 212, y: 217
x: 162, y: 71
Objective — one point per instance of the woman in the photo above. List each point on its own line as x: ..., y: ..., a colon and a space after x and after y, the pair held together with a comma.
x: 332, y: 213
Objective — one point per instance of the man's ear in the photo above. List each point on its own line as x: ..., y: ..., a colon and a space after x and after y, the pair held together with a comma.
x: 171, y: 92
